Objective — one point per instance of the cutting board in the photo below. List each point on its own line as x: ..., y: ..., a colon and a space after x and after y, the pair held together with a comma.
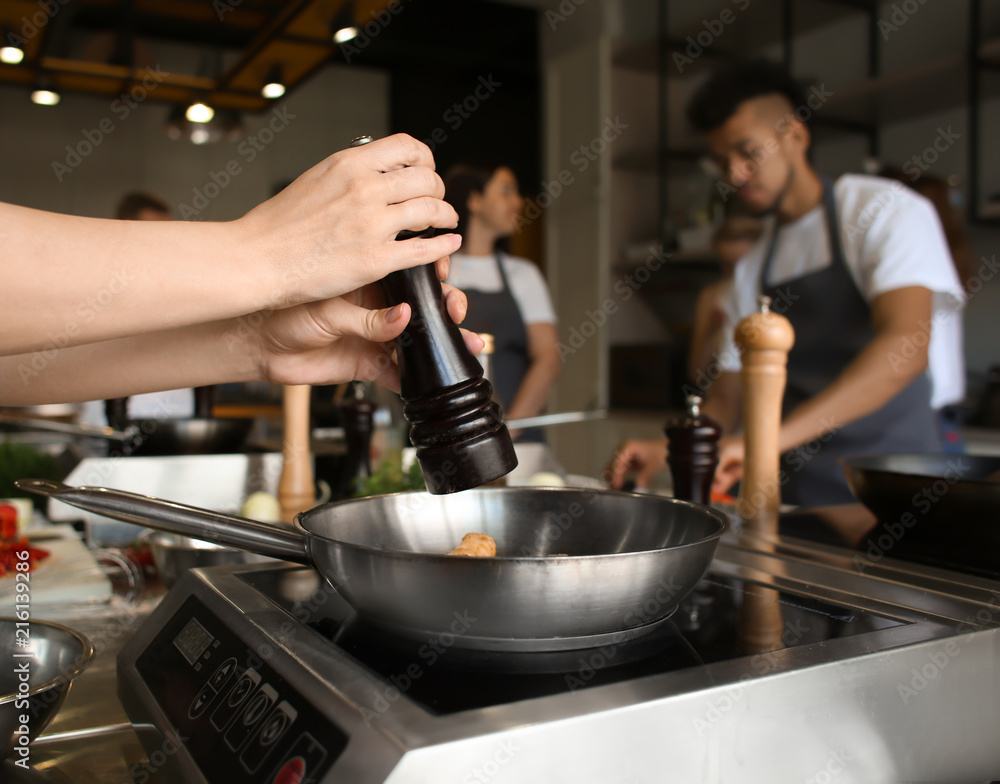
x: 70, y: 575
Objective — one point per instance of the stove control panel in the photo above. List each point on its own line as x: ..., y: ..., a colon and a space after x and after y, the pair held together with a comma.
x: 238, y: 719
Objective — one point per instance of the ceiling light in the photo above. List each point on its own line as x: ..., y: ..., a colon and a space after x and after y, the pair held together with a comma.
x: 345, y: 34
x: 226, y: 126
x: 11, y: 46
x: 45, y: 97
x: 274, y: 85
x: 200, y: 113
x: 11, y: 55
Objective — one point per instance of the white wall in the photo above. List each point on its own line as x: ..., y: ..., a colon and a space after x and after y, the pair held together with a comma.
x: 335, y: 105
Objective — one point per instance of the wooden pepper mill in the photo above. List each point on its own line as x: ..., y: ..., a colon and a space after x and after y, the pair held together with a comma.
x: 296, y: 489
x: 693, y: 453
x: 764, y: 339
x: 357, y: 415
x: 460, y: 438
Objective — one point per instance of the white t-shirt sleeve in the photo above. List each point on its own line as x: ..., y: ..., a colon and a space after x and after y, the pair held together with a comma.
x: 728, y: 356
x: 903, y: 246
x: 530, y: 291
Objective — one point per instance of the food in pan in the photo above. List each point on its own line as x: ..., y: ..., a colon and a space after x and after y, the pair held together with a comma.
x: 476, y: 546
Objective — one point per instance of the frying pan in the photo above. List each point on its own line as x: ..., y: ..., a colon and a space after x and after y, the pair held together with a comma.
x: 625, y: 560
x: 931, y: 501
x: 197, y: 435
x: 154, y: 437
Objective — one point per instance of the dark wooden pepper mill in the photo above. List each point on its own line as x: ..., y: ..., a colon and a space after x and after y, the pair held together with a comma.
x: 693, y: 452
x: 357, y: 414
x: 204, y: 399
x: 457, y: 429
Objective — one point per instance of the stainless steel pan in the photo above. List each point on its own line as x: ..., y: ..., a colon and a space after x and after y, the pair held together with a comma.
x: 628, y: 559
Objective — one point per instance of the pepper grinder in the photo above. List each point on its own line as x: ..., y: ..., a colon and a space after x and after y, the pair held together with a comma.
x: 204, y: 399
x: 357, y: 416
x: 116, y: 413
x: 764, y: 339
x: 693, y: 453
x: 460, y: 438
x: 296, y: 488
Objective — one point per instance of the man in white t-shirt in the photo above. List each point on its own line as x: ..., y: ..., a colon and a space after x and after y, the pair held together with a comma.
x: 860, y: 268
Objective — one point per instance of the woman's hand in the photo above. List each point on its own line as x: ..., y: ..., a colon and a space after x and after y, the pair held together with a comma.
x: 648, y: 457
x: 333, y: 230
x: 342, y: 338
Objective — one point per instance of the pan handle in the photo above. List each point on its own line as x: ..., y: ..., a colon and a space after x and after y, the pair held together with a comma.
x: 286, y: 543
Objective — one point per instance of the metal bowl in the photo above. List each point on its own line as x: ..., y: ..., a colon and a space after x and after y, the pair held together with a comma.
x: 36, y: 678
x: 174, y: 554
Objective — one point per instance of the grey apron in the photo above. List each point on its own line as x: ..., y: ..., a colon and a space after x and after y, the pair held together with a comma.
x: 832, y: 323
x: 497, y: 313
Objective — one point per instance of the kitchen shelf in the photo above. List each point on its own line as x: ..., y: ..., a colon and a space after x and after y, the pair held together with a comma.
x: 758, y: 26
x: 933, y: 86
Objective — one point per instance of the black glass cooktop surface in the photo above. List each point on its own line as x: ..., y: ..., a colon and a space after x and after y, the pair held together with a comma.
x: 723, y: 618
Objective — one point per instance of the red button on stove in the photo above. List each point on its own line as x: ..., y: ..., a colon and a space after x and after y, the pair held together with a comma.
x: 292, y: 772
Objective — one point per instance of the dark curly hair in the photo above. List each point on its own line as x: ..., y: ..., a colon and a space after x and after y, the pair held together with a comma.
x: 717, y: 99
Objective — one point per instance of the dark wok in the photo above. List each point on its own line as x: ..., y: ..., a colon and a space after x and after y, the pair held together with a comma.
x: 629, y: 559
x: 932, y: 502
x: 194, y: 436
x: 198, y: 435
x: 155, y: 437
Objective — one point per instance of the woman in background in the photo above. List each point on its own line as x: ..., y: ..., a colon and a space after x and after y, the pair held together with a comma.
x: 734, y: 237
x: 507, y: 295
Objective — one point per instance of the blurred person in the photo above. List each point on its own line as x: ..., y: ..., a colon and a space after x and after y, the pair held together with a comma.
x: 169, y: 404
x: 96, y: 309
x: 859, y: 267
x: 734, y: 237
x: 508, y: 297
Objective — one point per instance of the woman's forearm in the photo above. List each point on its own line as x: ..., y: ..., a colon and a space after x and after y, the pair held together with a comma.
x: 121, y: 281
x: 67, y: 280
x: 218, y: 352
